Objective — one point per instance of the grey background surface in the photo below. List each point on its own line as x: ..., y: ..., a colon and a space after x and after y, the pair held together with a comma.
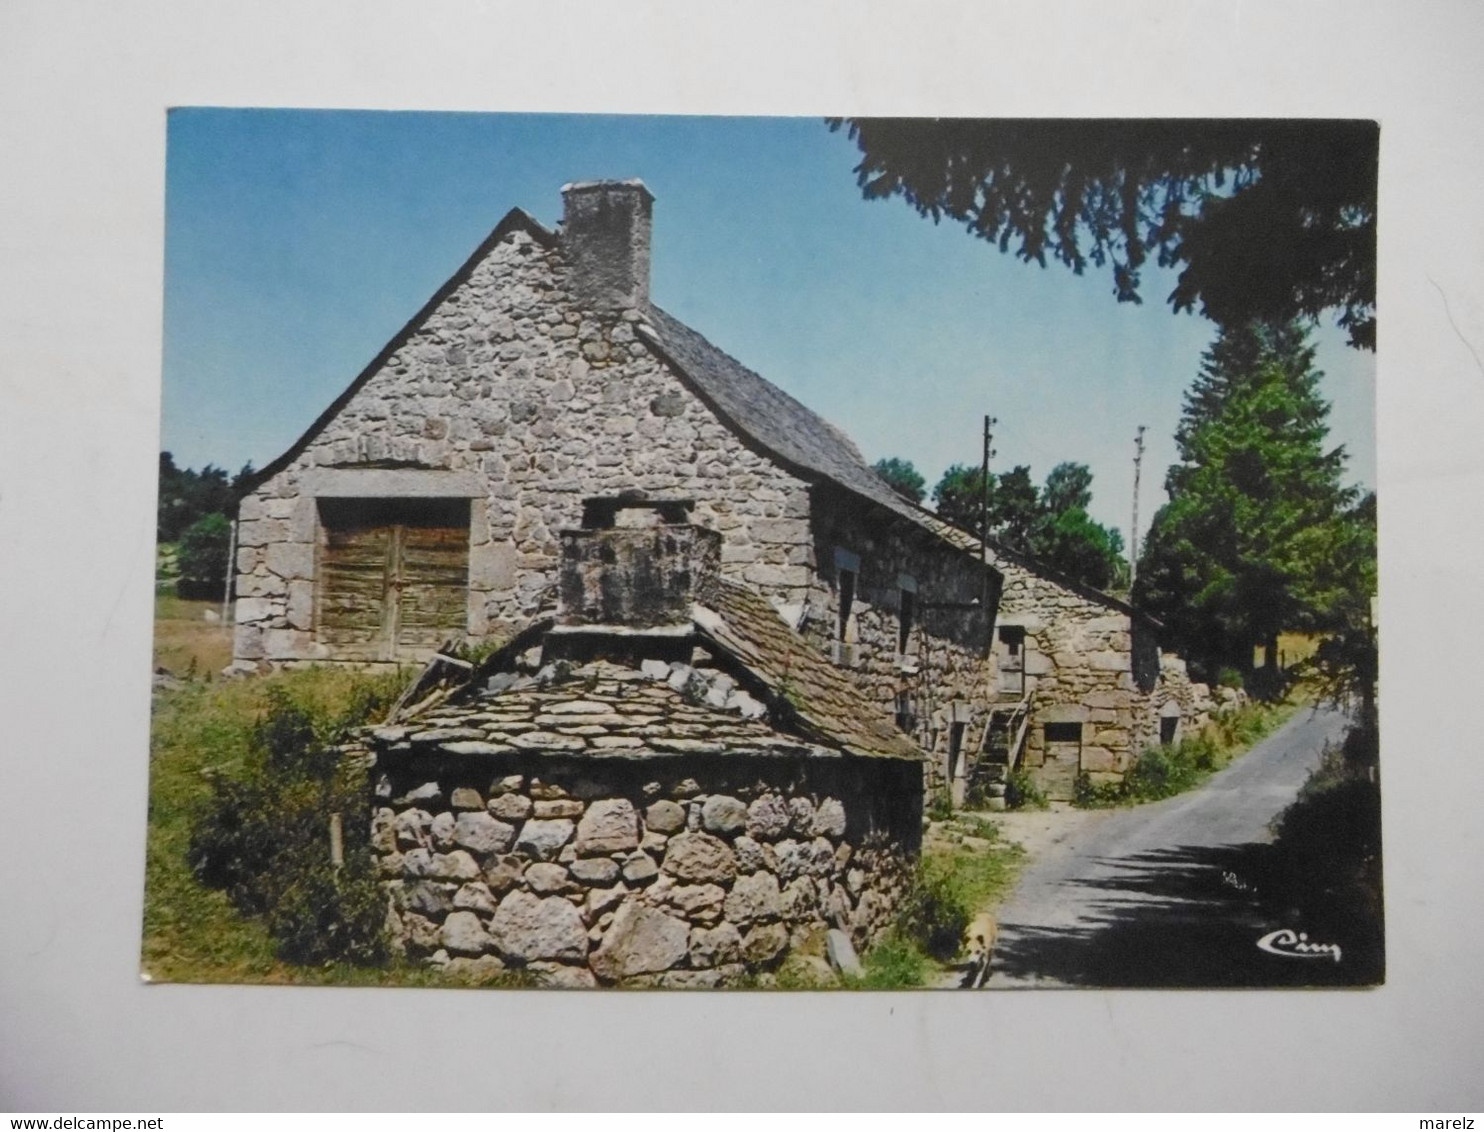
x: 83, y: 88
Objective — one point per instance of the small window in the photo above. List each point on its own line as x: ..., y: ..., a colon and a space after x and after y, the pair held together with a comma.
x: 904, y: 621
x: 1063, y: 733
x: 1012, y: 660
x: 1168, y: 726
x: 1013, y: 638
x: 847, y: 603
x: 906, y: 717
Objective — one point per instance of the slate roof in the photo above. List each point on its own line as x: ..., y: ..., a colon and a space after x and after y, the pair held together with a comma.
x: 748, y: 628
x: 785, y: 427
x: 784, y: 699
x: 599, y: 710
x: 970, y: 542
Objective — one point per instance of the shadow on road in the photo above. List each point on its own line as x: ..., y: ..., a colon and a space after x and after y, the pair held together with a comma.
x: 1182, y: 917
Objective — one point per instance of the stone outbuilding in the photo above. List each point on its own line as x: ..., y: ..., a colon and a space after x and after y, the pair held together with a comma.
x: 540, y: 390
x: 1078, y: 681
x: 661, y: 783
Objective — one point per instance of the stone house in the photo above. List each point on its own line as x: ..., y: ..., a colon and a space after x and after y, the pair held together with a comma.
x: 539, y: 391
x: 1078, y: 682
x: 659, y: 783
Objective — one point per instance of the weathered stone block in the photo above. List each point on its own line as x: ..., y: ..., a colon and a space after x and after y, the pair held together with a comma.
x: 441, y: 831
x: 481, y: 833
x: 764, y: 943
x: 754, y: 896
x: 510, y: 807
x: 608, y: 826
x: 711, y: 947
x: 697, y: 856
x: 799, y: 900
x: 428, y: 898
x: 595, y: 870
x: 301, y: 604
x: 527, y: 927
x: 752, y: 856
x: 723, y: 814
x: 560, y: 808
x: 640, y: 869
x: 475, y: 897
x: 544, y: 839
x: 457, y: 865
x: 640, y: 941
x: 545, y: 878
x: 292, y: 560
x: 665, y: 817
x: 464, y: 934
x: 767, y: 818
x: 465, y: 798
x: 829, y: 819
x: 1098, y: 759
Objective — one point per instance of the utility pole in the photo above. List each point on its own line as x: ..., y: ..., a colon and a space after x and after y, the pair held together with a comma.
x: 989, y: 423
x: 1133, y: 534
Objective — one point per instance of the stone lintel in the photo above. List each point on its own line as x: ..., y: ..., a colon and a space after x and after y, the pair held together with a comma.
x: 392, y: 483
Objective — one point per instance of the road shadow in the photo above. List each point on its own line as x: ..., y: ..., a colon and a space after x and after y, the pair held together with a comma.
x: 1185, y: 916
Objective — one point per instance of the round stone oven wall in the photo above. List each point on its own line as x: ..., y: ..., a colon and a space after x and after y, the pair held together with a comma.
x: 678, y: 871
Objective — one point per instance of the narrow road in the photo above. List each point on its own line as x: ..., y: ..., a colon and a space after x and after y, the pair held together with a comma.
x: 1159, y: 895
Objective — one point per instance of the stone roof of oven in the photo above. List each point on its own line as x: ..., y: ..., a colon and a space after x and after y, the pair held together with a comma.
x: 598, y: 710
x: 747, y: 627
x: 770, y: 692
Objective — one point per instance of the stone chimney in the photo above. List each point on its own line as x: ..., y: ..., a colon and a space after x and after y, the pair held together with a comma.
x: 636, y: 569
x: 605, y: 235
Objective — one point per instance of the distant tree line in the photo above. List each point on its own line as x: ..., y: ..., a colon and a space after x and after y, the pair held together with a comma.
x: 1260, y: 535
x: 1049, y: 523
x: 192, y: 513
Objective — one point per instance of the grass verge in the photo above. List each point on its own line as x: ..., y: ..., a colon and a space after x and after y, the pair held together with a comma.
x: 1163, y: 772
x: 965, y: 869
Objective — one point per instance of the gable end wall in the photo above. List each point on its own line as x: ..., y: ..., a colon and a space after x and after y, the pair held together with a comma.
x: 512, y: 396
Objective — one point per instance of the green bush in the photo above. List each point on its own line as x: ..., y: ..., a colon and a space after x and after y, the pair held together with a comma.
x: 940, y: 806
x: 202, y: 557
x: 263, y: 836
x: 934, y: 913
x: 1022, y: 793
x: 894, y: 963
x: 1089, y: 795
x: 1229, y: 678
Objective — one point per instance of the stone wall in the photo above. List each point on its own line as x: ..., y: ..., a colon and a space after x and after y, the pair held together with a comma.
x: 513, y: 396
x: 676, y: 872
x: 940, y: 678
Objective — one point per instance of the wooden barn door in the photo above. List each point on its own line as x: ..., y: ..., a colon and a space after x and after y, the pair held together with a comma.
x: 393, y: 576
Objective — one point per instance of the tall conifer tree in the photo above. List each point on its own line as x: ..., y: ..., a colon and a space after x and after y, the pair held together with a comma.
x: 1243, y: 549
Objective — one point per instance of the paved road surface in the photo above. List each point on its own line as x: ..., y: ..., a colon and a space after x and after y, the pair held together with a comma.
x: 1156, y: 895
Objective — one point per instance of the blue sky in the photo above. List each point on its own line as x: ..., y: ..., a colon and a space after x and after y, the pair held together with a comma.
x: 298, y: 242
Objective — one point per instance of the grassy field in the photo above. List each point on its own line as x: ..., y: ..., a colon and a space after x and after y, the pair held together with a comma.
x: 186, y: 643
